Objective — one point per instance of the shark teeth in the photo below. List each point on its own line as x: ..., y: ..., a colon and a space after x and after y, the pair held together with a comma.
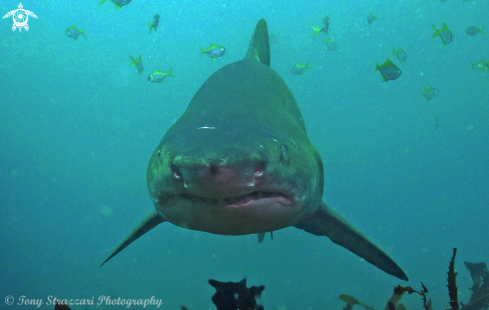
x: 235, y: 200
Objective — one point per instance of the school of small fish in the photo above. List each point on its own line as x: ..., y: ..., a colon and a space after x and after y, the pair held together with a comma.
x: 388, y: 70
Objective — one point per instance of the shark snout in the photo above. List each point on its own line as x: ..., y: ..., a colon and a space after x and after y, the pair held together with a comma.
x: 217, y: 180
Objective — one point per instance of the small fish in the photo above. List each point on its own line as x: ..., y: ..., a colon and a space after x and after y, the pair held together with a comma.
x: 138, y: 63
x: 401, y: 55
x: 331, y: 44
x: 159, y: 76
x: 473, y: 31
x: 324, y: 28
x: 273, y: 39
x: 429, y: 93
x: 388, y: 70
x: 298, y: 69
x: 118, y: 3
x: 154, y: 24
x: 445, y: 34
x: 214, y: 51
x: 353, y: 301
x: 370, y: 18
x: 74, y: 32
x: 481, y: 65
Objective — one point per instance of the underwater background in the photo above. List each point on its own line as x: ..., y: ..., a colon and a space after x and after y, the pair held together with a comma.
x: 78, y: 125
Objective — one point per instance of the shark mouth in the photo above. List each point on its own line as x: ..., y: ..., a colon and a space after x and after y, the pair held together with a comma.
x: 249, y: 199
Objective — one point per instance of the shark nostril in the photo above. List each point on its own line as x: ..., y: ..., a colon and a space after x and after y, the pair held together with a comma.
x: 259, y: 171
x: 213, y: 169
x: 177, y: 175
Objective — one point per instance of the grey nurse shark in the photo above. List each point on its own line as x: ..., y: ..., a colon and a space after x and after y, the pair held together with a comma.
x: 239, y: 162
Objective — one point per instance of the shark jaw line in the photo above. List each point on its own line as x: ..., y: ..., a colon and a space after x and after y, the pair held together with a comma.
x: 252, y: 212
x: 252, y: 199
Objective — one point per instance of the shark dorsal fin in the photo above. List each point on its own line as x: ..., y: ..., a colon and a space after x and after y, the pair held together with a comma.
x: 259, y: 48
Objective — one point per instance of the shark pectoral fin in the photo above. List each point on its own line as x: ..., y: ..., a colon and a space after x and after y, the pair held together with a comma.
x: 327, y: 222
x: 151, y: 221
x: 259, y: 48
x: 261, y: 236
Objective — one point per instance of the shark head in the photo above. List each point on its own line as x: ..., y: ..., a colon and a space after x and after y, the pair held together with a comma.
x: 236, y: 162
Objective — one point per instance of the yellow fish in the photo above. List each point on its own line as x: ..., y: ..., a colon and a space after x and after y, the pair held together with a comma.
x: 445, y: 34
x: 159, y: 76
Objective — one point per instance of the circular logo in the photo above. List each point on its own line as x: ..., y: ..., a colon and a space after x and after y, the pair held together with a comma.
x: 20, y: 18
x: 9, y: 300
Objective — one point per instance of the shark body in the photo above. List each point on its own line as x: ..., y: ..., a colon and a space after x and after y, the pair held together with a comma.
x: 239, y: 162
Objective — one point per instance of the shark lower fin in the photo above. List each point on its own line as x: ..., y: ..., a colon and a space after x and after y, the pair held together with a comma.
x: 261, y: 236
x: 259, y: 48
x: 149, y: 222
x: 327, y: 222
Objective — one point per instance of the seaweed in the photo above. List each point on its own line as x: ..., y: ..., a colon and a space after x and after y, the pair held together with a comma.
x: 393, y: 303
x: 452, y: 282
x: 480, y: 287
x: 61, y: 306
x: 235, y: 295
x: 478, y: 301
